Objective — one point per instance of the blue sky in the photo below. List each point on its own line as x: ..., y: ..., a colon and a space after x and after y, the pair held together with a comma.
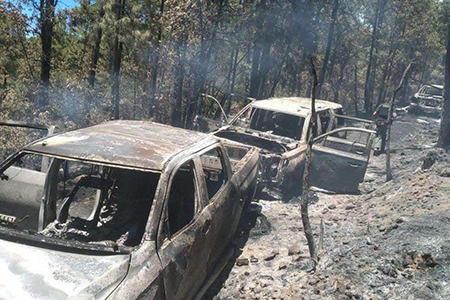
x: 61, y: 4
x: 67, y: 3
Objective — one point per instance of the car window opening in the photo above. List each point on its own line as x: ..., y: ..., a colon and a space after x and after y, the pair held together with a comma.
x: 182, y: 195
x: 272, y: 123
x: 435, y: 91
x: 277, y: 123
x: 215, y: 174
x: 85, y: 202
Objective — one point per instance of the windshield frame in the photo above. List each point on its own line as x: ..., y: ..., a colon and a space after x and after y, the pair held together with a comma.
x: 34, y: 238
x: 269, y: 135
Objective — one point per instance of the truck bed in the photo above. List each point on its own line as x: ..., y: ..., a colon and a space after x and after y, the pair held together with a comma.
x: 238, y: 153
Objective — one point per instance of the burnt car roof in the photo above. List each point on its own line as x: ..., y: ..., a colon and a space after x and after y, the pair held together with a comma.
x: 298, y: 106
x: 136, y: 144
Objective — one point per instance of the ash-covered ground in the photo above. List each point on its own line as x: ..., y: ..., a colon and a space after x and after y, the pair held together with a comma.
x: 392, y: 241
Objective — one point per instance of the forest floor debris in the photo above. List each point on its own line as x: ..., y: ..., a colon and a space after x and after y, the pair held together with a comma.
x: 391, y: 241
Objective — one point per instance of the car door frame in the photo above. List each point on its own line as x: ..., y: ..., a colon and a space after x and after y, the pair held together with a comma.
x: 224, y: 205
x: 327, y: 173
x: 167, y: 245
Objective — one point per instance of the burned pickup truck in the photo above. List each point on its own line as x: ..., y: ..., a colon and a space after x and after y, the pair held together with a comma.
x: 427, y: 101
x: 279, y: 128
x: 125, y: 210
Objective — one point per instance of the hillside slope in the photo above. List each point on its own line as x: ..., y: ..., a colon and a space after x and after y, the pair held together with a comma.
x: 392, y: 241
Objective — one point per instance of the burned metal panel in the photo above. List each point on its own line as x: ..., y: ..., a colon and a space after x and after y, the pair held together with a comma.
x: 37, y: 273
x: 299, y: 106
x: 133, y: 143
x: 21, y: 195
x: 339, y: 164
x: 184, y: 258
x: 332, y: 170
x: 144, y: 278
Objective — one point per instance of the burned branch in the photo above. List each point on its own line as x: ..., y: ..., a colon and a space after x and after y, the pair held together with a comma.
x: 305, y: 185
x: 389, y: 124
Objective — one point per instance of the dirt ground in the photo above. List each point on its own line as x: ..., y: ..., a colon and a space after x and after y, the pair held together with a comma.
x: 392, y: 241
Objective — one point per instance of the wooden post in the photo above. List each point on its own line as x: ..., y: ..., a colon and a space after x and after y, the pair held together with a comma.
x: 305, y: 187
x: 389, y: 124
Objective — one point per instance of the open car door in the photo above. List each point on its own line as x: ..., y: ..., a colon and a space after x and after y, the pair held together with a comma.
x: 340, y: 158
x: 208, y: 124
x: 25, y: 133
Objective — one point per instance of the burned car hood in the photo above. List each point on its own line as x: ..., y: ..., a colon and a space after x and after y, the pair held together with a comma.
x: 258, y: 140
x: 28, y: 272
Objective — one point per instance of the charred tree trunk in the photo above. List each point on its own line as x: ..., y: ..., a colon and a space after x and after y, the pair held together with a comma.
x: 95, y: 54
x: 356, y: 90
x: 175, y: 119
x: 265, y: 65
x: 386, y: 75
x: 203, y: 67
x: 339, y: 82
x: 444, y: 133
x: 254, y: 77
x: 281, y: 66
x: 333, y: 59
x: 368, y: 86
x: 328, y: 49
x: 117, y: 61
x: 305, y: 185
x: 389, y: 124
x: 155, y: 64
x: 46, y: 20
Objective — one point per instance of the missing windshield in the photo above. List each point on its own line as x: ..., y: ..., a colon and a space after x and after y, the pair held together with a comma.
x: 274, y: 123
x: 77, y: 201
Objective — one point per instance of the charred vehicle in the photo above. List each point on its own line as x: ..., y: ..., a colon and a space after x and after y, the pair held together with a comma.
x: 427, y: 101
x: 125, y: 210
x: 279, y: 128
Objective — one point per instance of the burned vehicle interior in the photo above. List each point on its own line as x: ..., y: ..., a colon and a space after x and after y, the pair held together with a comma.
x: 77, y: 200
x: 96, y: 203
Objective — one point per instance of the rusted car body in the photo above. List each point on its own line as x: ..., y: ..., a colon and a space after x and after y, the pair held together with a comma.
x: 126, y: 210
x: 279, y: 128
x: 427, y: 101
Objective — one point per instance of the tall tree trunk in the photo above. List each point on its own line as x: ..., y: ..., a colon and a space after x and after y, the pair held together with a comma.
x: 46, y: 20
x: 175, y: 119
x: 386, y: 73
x: 368, y: 83
x: 95, y: 54
x: 117, y: 61
x: 265, y: 65
x: 389, y: 124
x: 328, y: 49
x: 356, y: 89
x: 155, y: 64
x: 333, y: 58
x: 339, y: 83
x: 203, y: 67
x: 305, y: 184
x: 254, y: 76
x: 444, y: 133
